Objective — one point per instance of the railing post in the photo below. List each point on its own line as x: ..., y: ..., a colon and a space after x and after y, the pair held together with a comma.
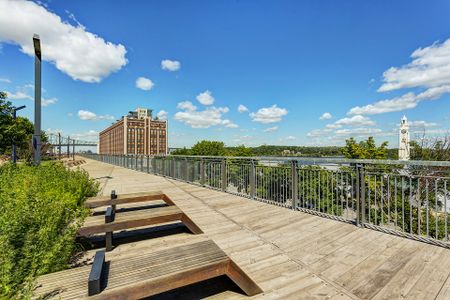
x: 359, y: 195
x: 362, y: 195
x: 163, y: 166
x: 186, y: 171
x: 154, y: 171
x: 202, y: 172
x: 294, y: 165
x: 224, y: 174
x: 253, y: 179
x: 174, y: 167
x: 142, y: 163
x: 148, y: 163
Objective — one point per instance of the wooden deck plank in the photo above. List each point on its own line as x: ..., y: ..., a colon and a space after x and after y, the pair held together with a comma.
x: 284, y: 251
x: 132, y: 219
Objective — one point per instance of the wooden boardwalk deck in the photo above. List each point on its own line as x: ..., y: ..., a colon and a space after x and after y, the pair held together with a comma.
x: 292, y: 255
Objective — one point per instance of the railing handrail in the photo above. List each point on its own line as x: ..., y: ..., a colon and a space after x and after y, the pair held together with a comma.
x: 322, y: 160
x: 409, y: 205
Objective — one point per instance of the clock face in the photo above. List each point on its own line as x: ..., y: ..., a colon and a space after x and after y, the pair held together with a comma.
x: 403, y: 131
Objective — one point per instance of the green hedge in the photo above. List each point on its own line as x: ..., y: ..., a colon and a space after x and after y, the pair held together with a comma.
x: 40, y: 211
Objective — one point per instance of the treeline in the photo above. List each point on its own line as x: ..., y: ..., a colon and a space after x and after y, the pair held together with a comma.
x: 363, y: 149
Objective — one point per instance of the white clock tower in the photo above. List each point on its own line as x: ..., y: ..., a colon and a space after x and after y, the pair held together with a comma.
x: 403, y: 144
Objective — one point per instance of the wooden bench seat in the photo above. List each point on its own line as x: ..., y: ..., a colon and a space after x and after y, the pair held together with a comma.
x: 127, y: 198
x: 148, y: 273
x: 134, y: 219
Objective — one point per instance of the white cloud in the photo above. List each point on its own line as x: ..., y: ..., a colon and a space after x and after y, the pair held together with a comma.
x: 211, y: 116
x: 271, y: 129
x: 91, y: 135
x: 162, y: 115
x: 187, y: 105
x: 72, y: 49
x: 330, y: 127
x: 318, y: 132
x: 70, y: 114
x: 325, y: 116
x: 19, y: 96
x: 421, y: 124
x: 47, y: 102
x: 357, y: 120
x: 291, y: 138
x: 267, y: 115
x: 88, y: 115
x: 242, y: 108
x: 406, y: 101
x: 170, y: 65
x: 430, y: 68
x: 229, y: 124
x: 5, y: 80
x: 361, y: 131
x: 205, y: 98
x: 144, y: 84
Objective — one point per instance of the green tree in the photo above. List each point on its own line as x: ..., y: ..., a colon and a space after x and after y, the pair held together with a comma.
x: 364, y: 149
x: 209, y: 148
x: 241, y: 151
x: 18, y: 131
x: 182, y: 151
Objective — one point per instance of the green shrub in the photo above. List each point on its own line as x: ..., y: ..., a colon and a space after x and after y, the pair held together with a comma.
x: 40, y: 211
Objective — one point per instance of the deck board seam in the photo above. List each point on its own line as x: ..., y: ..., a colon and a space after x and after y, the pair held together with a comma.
x: 338, y: 287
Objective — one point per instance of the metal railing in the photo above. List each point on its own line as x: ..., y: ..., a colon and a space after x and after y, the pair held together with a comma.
x: 406, y: 198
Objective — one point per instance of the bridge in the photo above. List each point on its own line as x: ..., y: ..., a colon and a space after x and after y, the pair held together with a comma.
x: 349, y: 229
x: 58, y: 142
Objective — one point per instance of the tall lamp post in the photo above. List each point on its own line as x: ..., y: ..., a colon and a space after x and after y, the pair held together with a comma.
x: 37, y: 99
x: 14, y: 154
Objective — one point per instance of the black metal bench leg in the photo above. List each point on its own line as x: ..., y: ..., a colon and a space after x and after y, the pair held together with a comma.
x: 109, y: 241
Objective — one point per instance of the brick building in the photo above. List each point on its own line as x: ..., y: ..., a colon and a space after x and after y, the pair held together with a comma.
x: 136, y: 133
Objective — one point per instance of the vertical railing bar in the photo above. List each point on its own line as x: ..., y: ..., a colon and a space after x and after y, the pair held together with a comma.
x: 427, y: 206
x: 436, y: 208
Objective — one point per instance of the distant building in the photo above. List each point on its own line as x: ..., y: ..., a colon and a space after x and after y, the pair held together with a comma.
x: 403, y: 144
x: 136, y: 133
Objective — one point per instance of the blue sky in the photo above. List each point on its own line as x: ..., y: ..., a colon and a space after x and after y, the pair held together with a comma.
x: 359, y: 65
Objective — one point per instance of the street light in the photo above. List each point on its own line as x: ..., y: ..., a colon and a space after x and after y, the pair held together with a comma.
x: 37, y: 99
x: 14, y: 110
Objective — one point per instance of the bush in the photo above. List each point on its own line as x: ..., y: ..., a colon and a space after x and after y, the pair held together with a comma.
x: 40, y: 210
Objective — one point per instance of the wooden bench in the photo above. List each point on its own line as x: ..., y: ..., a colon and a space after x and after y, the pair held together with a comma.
x: 145, y: 274
x: 111, y: 221
x: 127, y: 198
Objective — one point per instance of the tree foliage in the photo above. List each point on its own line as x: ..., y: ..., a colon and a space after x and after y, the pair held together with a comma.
x: 431, y: 149
x: 209, y: 148
x: 364, y: 149
x: 19, y: 131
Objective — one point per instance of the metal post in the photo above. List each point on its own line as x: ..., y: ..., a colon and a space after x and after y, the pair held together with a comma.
x: 253, y: 179
x: 186, y: 170
x: 59, y: 142
x: 148, y: 163
x: 202, y: 172
x: 68, y: 147
x: 174, y: 166
x: 358, y: 194
x: 224, y: 174
x: 362, y: 194
x: 154, y: 171
x: 73, y: 149
x: 37, y: 100
x: 294, y: 184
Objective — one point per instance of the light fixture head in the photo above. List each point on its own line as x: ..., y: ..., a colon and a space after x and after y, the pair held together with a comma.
x: 37, y: 45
